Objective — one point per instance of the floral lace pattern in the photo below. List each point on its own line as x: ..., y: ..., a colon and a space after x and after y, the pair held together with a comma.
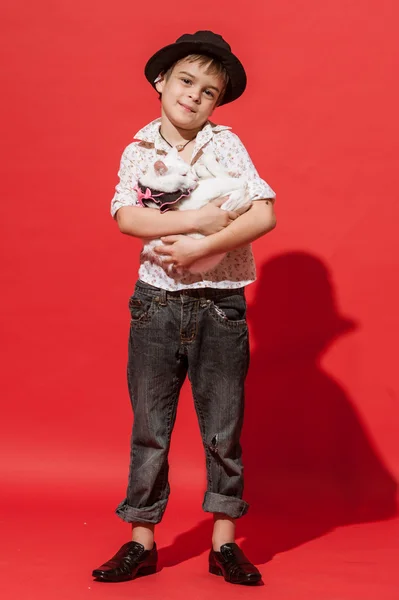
x: 237, y: 268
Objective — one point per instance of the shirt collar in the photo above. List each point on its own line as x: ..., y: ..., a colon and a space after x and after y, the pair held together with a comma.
x: 150, y: 134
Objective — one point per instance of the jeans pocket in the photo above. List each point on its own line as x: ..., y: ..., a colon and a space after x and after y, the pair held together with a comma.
x: 142, y: 309
x: 230, y: 311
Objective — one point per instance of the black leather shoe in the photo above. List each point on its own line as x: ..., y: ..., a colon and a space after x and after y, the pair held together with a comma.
x: 129, y: 562
x: 232, y: 563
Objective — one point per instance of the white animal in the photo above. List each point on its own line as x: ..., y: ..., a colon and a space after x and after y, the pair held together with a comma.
x: 203, y: 182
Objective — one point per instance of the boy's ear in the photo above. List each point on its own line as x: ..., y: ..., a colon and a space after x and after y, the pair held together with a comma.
x: 159, y: 83
x: 160, y: 168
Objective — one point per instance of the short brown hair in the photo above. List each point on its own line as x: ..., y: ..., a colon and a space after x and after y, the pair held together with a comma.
x: 214, y: 68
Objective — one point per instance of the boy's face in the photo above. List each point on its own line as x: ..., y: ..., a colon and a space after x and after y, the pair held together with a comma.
x: 189, y: 95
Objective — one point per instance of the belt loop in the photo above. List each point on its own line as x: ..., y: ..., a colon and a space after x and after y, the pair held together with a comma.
x: 163, y: 298
x: 202, y: 295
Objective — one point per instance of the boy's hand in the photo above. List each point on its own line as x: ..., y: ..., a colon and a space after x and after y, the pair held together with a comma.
x: 180, y: 250
x: 212, y: 219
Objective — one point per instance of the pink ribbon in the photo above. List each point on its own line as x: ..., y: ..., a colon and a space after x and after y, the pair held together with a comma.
x: 141, y: 196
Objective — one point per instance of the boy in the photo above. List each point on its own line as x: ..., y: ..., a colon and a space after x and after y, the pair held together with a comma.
x: 183, y: 323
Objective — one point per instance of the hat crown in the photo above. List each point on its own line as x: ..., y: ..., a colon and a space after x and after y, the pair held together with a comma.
x: 207, y: 37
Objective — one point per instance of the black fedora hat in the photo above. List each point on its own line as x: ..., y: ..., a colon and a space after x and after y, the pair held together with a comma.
x: 206, y: 43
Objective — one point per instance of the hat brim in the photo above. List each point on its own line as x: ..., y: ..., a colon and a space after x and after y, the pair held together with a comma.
x: 167, y: 56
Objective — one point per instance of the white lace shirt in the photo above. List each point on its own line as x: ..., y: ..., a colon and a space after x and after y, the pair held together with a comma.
x: 237, y: 268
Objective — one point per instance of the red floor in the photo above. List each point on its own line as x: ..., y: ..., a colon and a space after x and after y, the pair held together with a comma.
x: 50, y: 543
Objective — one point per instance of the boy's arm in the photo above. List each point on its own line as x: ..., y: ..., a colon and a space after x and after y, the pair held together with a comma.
x: 150, y: 223
x: 257, y: 221
x: 183, y: 251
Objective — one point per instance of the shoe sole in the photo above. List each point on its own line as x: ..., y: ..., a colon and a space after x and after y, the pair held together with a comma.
x: 140, y: 573
x: 218, y: 571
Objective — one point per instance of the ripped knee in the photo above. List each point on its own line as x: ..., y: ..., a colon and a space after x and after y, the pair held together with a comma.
x: 214, y: 443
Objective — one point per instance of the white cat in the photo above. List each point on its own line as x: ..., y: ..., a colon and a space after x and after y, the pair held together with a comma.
x: 172, y: 183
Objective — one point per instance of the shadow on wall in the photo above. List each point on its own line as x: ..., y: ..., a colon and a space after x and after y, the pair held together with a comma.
x: 309, y: 465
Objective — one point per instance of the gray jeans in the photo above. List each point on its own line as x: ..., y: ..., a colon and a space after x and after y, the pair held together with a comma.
x: 203, y: 333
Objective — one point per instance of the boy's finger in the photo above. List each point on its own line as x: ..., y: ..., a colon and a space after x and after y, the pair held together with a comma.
x: 232, y: 214
x: 163, y: 249
x: 170, y: 239
x: 219, y: 201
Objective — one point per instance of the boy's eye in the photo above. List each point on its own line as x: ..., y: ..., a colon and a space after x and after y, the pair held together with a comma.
x: 207, y: 92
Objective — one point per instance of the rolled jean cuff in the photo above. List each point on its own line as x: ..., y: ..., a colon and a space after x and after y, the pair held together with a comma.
x: 148, y: 514
x: 229, y: 505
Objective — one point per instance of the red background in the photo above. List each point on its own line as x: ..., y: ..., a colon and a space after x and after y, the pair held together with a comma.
x: 320, y: 120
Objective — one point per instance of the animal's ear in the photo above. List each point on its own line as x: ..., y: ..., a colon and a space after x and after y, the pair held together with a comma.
x: 160, y: 168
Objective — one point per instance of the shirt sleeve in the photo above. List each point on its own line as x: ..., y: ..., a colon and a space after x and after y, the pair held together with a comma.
x: 232, y: 154
x: 128, y: 175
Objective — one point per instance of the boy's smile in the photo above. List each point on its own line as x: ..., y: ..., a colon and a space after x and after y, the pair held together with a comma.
x: 187, y: 108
